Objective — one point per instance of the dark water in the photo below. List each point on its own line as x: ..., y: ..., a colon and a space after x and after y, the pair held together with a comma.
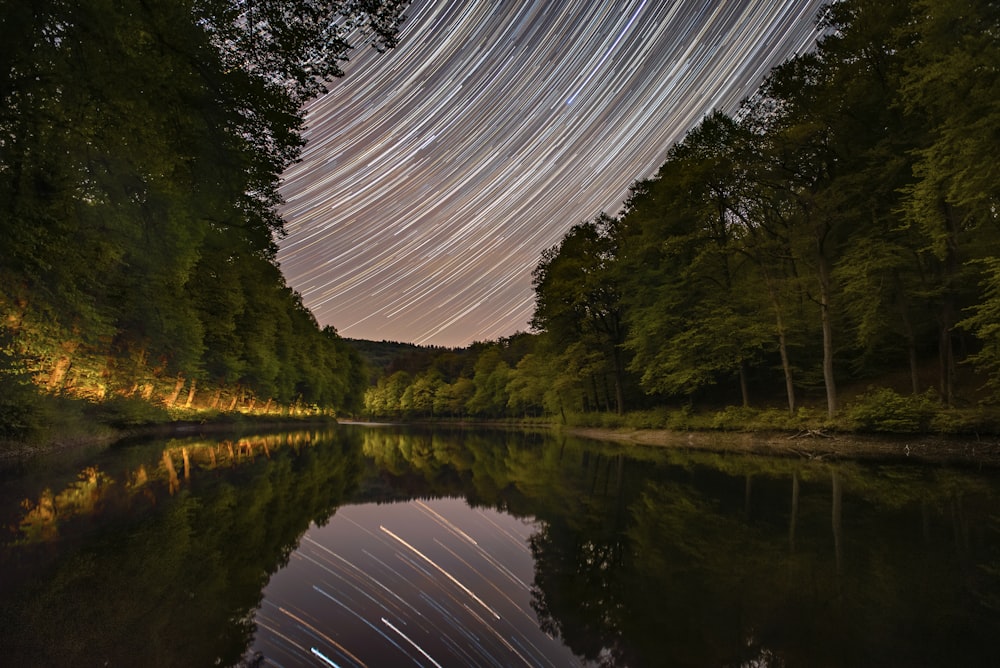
x: 380, y: 546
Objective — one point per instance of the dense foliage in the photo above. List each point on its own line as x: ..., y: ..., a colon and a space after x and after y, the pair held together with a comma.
x: 841, y: 228
x: 141, y: 146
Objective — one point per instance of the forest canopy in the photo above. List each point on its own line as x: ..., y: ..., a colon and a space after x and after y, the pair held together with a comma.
x: 141, y: 149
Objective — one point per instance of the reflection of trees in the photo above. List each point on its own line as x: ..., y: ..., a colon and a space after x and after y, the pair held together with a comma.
x: 141, y: 478
x: 176, y: 585
x: 706, y: 580
x: 652, y: 557
x: 644, y: 557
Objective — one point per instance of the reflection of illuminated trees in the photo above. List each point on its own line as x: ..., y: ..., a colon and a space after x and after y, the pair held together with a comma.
x: 175, y: 585
x: 95, y: 489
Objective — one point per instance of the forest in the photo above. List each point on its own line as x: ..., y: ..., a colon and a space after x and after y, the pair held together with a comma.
x: 828, y: 251
x: 141, y: 150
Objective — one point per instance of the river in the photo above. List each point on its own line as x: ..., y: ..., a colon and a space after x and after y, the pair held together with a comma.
x: 393, y: 546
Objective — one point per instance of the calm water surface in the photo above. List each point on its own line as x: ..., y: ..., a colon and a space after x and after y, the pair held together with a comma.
x: 385, y: 546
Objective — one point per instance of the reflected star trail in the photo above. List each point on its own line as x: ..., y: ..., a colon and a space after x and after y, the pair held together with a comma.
x: 421, y: 583
x: 435, y: 174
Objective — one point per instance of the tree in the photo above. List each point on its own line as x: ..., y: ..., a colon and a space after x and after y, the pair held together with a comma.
x: 141, y: 148
x: 984, y: 322
x: 490, y: 380
x: 950, y: 80
x: 692, y: 318
x: 578, y: 299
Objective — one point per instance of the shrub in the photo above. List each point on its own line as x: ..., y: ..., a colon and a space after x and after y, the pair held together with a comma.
x: 124, y: 412
x: 883, y: 409
x: 682, y: 418
x: 734, y: 418
x: 19, y: 399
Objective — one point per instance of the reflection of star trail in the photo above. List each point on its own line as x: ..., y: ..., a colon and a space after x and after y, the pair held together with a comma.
x: 443, y: 572
x: 436, y: 173
x: 445, y: 586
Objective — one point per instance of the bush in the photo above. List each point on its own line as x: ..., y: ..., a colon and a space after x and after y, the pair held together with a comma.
x: 971, y: 422
x: 124, y: 412
x: 734, y: 418
x: 883, y: 409
x: 19, y: 399
x: 682, y: 418
x: 19, y: 408
x: 650, y: 419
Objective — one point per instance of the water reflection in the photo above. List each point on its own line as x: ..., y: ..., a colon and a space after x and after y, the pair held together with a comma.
x: 432, y: 582
x: 160, y: 558
x: 195, y: 553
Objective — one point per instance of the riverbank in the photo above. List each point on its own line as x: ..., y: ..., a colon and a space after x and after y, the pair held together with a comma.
x: 96, y: 435
x: 807, y: 444
x: 932, y: 449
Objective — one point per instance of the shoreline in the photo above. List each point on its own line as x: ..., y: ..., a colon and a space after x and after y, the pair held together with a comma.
x: 923, y: 448
x: 105, y: 435
x: 929, y: 449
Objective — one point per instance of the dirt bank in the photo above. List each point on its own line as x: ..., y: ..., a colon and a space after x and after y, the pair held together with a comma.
x: 970, y: 451
x: 97, y: 435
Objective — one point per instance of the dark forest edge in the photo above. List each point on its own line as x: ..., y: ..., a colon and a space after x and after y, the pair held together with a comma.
x: 141, y: 150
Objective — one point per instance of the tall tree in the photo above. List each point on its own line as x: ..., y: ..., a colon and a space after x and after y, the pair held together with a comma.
x: 578, y: 299
x: 692, y: 319
x: 951, y: 80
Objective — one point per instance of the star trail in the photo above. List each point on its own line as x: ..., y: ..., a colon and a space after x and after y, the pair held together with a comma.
x: 434, y: 175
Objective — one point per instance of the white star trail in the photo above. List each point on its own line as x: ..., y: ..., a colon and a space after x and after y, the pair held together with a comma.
x: 435, y: 174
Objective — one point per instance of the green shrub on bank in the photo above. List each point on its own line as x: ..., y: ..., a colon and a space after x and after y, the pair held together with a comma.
x: 884, y: 410
x: 19, y: 400
x: 126, y: 412
x: 734, y: 418
x: 19, y: 409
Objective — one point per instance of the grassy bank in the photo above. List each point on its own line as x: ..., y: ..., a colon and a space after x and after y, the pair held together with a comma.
x: 57, y: 422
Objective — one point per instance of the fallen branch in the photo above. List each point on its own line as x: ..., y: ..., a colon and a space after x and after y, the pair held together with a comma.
x: 810, y: 433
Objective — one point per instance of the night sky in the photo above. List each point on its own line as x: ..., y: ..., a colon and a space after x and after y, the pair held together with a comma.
x: 435, y: 174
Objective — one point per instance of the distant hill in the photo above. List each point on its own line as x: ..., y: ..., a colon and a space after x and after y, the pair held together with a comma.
x: 386, y: 357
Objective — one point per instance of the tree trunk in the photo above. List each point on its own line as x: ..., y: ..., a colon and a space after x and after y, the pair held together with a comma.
x: 58, y: 374
x: 190, y: 398
x: 172, y: 398
x: 744, y: 391
x: 946, y: 319
x: 597, y: 395
x: 946, y: 359
x: 828, y: 378
x: 911, y: 342
x: 619, y: 380
x: 786, y: 365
